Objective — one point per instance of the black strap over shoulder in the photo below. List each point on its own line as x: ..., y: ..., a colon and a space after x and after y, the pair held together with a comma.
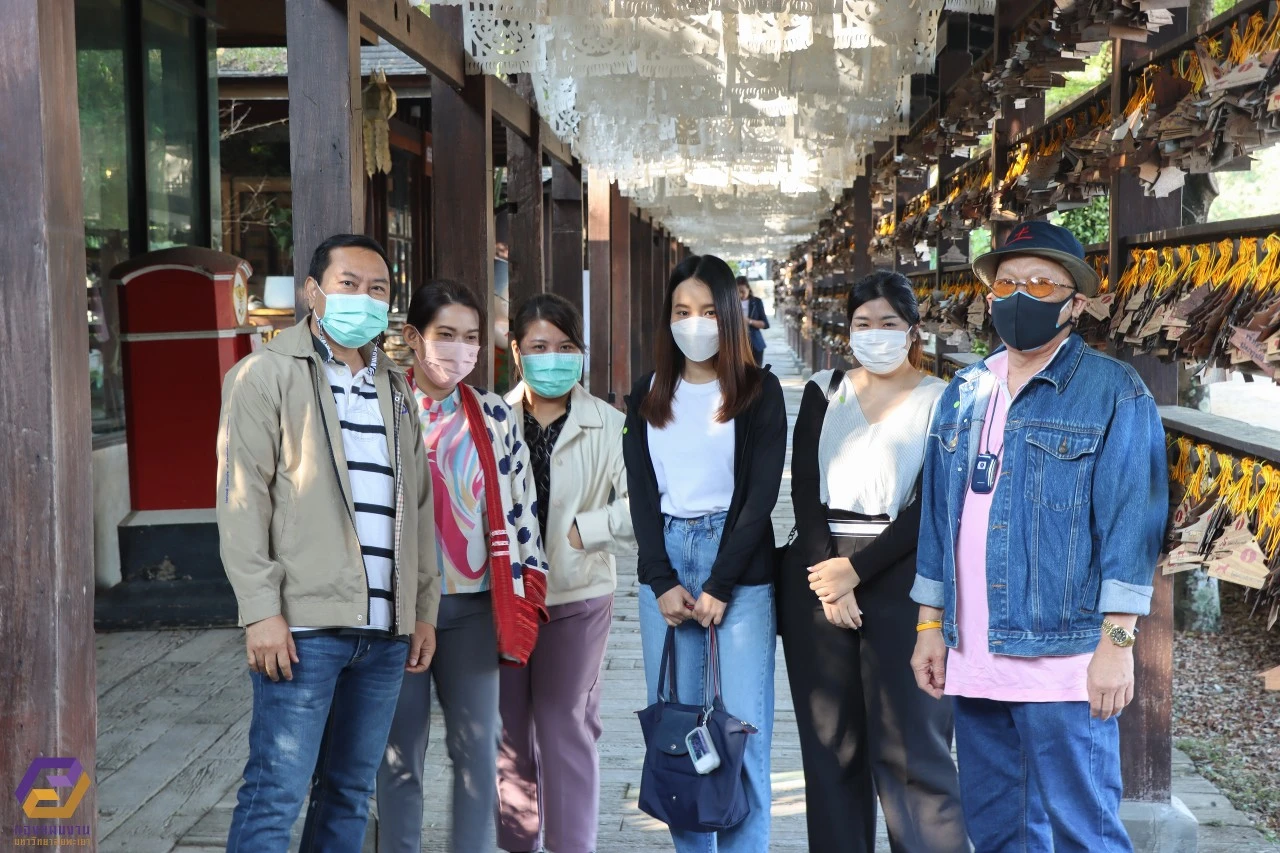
x: 837, y: 376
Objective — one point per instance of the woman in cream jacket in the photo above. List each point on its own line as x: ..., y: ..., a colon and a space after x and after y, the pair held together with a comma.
x: 548, y: 769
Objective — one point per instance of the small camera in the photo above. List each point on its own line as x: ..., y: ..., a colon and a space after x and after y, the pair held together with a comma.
x: 702, y: 750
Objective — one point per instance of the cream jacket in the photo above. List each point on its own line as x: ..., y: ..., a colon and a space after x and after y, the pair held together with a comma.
x: 589, y: 486
x: 285, y: 518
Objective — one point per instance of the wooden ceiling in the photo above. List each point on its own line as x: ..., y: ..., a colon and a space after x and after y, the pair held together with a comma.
x: 250, y: 23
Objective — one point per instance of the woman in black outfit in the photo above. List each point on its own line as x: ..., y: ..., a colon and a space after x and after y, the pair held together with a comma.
x: 844, y: 608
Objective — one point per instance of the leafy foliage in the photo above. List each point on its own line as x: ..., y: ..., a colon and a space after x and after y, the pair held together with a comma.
x: 1090, y: 224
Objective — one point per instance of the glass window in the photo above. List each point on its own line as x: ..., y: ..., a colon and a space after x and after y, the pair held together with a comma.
x: 104, y: 178
x: 401, y: 201
x: 170, y: 62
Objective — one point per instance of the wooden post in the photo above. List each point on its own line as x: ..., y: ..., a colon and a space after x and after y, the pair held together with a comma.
x: 621, y: 313
x: 566, y: 232
x: 326, y: 143
x: 462, y: 191
x: 524, y: 189
x: 641, y: 294
x: 600, y: 261
x: 49, y: 706
x: 1146, y: 727
x: 863, y: 225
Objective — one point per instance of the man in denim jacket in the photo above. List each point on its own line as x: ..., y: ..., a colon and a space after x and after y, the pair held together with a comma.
x: 1042, y: 513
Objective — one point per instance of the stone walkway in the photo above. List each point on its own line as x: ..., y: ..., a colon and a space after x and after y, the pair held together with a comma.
x: 173, y: 718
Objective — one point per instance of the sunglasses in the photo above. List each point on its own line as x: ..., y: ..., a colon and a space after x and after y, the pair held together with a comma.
x: 1037, y: 287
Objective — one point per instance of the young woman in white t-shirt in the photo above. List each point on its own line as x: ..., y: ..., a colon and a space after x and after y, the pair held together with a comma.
x: 844, y: 606
x: 704, y: 447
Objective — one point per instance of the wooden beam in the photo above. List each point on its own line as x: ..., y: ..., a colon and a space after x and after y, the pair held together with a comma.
x: 621, y: 315
x: 424, y: 38
x: 49, y: 707
x: 513, y: 110
x: 1146, y: 727
x: 326, y: 144
x: 566, y: 233
x: 600, y: 262
x: 863, y: 226
x: 462, y: 188
x: 552, y: 145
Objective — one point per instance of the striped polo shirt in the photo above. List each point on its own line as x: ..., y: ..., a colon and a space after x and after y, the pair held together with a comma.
x: 367, y: 456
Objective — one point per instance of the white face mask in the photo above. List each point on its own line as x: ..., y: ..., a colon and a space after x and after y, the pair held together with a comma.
x: 697, y: 337
x: 879, y: 350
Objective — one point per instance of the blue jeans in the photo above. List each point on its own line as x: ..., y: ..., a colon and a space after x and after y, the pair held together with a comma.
x: 323, y: 734
x: 1038, y: 776
x: 747, y: 643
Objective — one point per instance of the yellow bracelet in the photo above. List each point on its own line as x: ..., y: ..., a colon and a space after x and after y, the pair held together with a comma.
x: 928, y: 626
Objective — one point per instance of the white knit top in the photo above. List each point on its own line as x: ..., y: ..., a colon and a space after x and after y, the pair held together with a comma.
x: 872, y: 468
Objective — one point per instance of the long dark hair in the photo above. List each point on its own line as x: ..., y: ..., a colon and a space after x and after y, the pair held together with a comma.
x: 427, y: 301
x: 553, y: 308
x: 739, y: 376
x: 894, y: 288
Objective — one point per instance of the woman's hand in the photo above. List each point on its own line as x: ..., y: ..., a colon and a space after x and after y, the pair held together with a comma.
x: 676, y: 605
x: 832, y: 579
x: 575, y: 538
x: 709, y: 610
x: 844, y: 612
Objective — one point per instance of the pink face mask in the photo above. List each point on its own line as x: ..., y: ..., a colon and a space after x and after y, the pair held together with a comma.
x: 445, y: 363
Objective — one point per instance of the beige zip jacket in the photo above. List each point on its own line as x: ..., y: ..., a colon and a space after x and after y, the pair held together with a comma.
x: 589, y: 486
x: 285, y: 516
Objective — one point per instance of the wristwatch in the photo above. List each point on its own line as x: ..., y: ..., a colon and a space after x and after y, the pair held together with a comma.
x: 1121, y: 637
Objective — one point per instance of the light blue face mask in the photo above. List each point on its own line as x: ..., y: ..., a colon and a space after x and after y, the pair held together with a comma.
x: 552, y: 374
x: 353, y: 319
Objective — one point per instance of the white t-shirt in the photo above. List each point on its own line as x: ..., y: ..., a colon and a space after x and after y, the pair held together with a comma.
x: 693, y: 455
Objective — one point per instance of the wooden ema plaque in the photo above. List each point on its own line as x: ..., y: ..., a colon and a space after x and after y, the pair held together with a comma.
x: 183, y: 315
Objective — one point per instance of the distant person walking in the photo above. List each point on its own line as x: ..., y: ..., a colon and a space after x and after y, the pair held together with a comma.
x: 757, y: 321
x: 548, y: 769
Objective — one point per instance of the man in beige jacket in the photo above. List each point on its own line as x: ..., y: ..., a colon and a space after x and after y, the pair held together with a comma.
x: 327, y: 535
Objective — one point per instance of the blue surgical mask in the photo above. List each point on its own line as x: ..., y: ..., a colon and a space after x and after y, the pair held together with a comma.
x: 353, y: 319
x: 551, y: 374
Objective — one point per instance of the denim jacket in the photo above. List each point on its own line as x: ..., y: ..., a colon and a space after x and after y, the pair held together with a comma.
x: 1079, y: 510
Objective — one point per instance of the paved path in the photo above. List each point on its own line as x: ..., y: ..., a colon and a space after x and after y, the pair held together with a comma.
x: 173, y: 717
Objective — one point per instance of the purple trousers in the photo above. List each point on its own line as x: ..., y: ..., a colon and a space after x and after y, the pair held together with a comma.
x: 548, y: 768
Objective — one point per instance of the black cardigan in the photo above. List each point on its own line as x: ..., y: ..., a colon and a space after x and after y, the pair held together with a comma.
x: 814, y: 542
x: 746, y: 554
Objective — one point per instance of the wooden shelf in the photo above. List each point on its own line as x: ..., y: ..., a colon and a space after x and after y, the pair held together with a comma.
x: 1098, y: 92
x: 1207, y: 231
x: 1242, y: 9
x: 1227, y: 433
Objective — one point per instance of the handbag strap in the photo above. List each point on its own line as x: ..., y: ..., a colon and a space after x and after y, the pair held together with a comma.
x: 711, y: 690
x: 499, y: 544
x: 837, y: 376
x: 668, y: 662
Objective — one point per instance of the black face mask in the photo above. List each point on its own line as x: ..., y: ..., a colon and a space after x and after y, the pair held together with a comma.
x: 1025, y: 323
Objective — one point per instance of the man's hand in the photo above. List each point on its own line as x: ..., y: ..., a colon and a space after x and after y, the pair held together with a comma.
x: 844, y: 612
x: 929, y: 661
x: 676, y: 605
x: 1110, y: 680
x: 422, y: 648
x: 270, y: 648
x: 575, y: 538
x: 709, y: 610
x: 832, y: 579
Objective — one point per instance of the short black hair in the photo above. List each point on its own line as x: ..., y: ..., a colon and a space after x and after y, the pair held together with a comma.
x: 320, y: 257
x: 895, y: 288
x: 427, y: 301
x: 553, y: 308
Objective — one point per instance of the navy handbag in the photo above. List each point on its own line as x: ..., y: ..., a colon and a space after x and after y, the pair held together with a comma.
x: 671, y: 790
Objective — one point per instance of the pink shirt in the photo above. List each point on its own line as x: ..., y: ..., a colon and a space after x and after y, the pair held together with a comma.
x: 972, y: 670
